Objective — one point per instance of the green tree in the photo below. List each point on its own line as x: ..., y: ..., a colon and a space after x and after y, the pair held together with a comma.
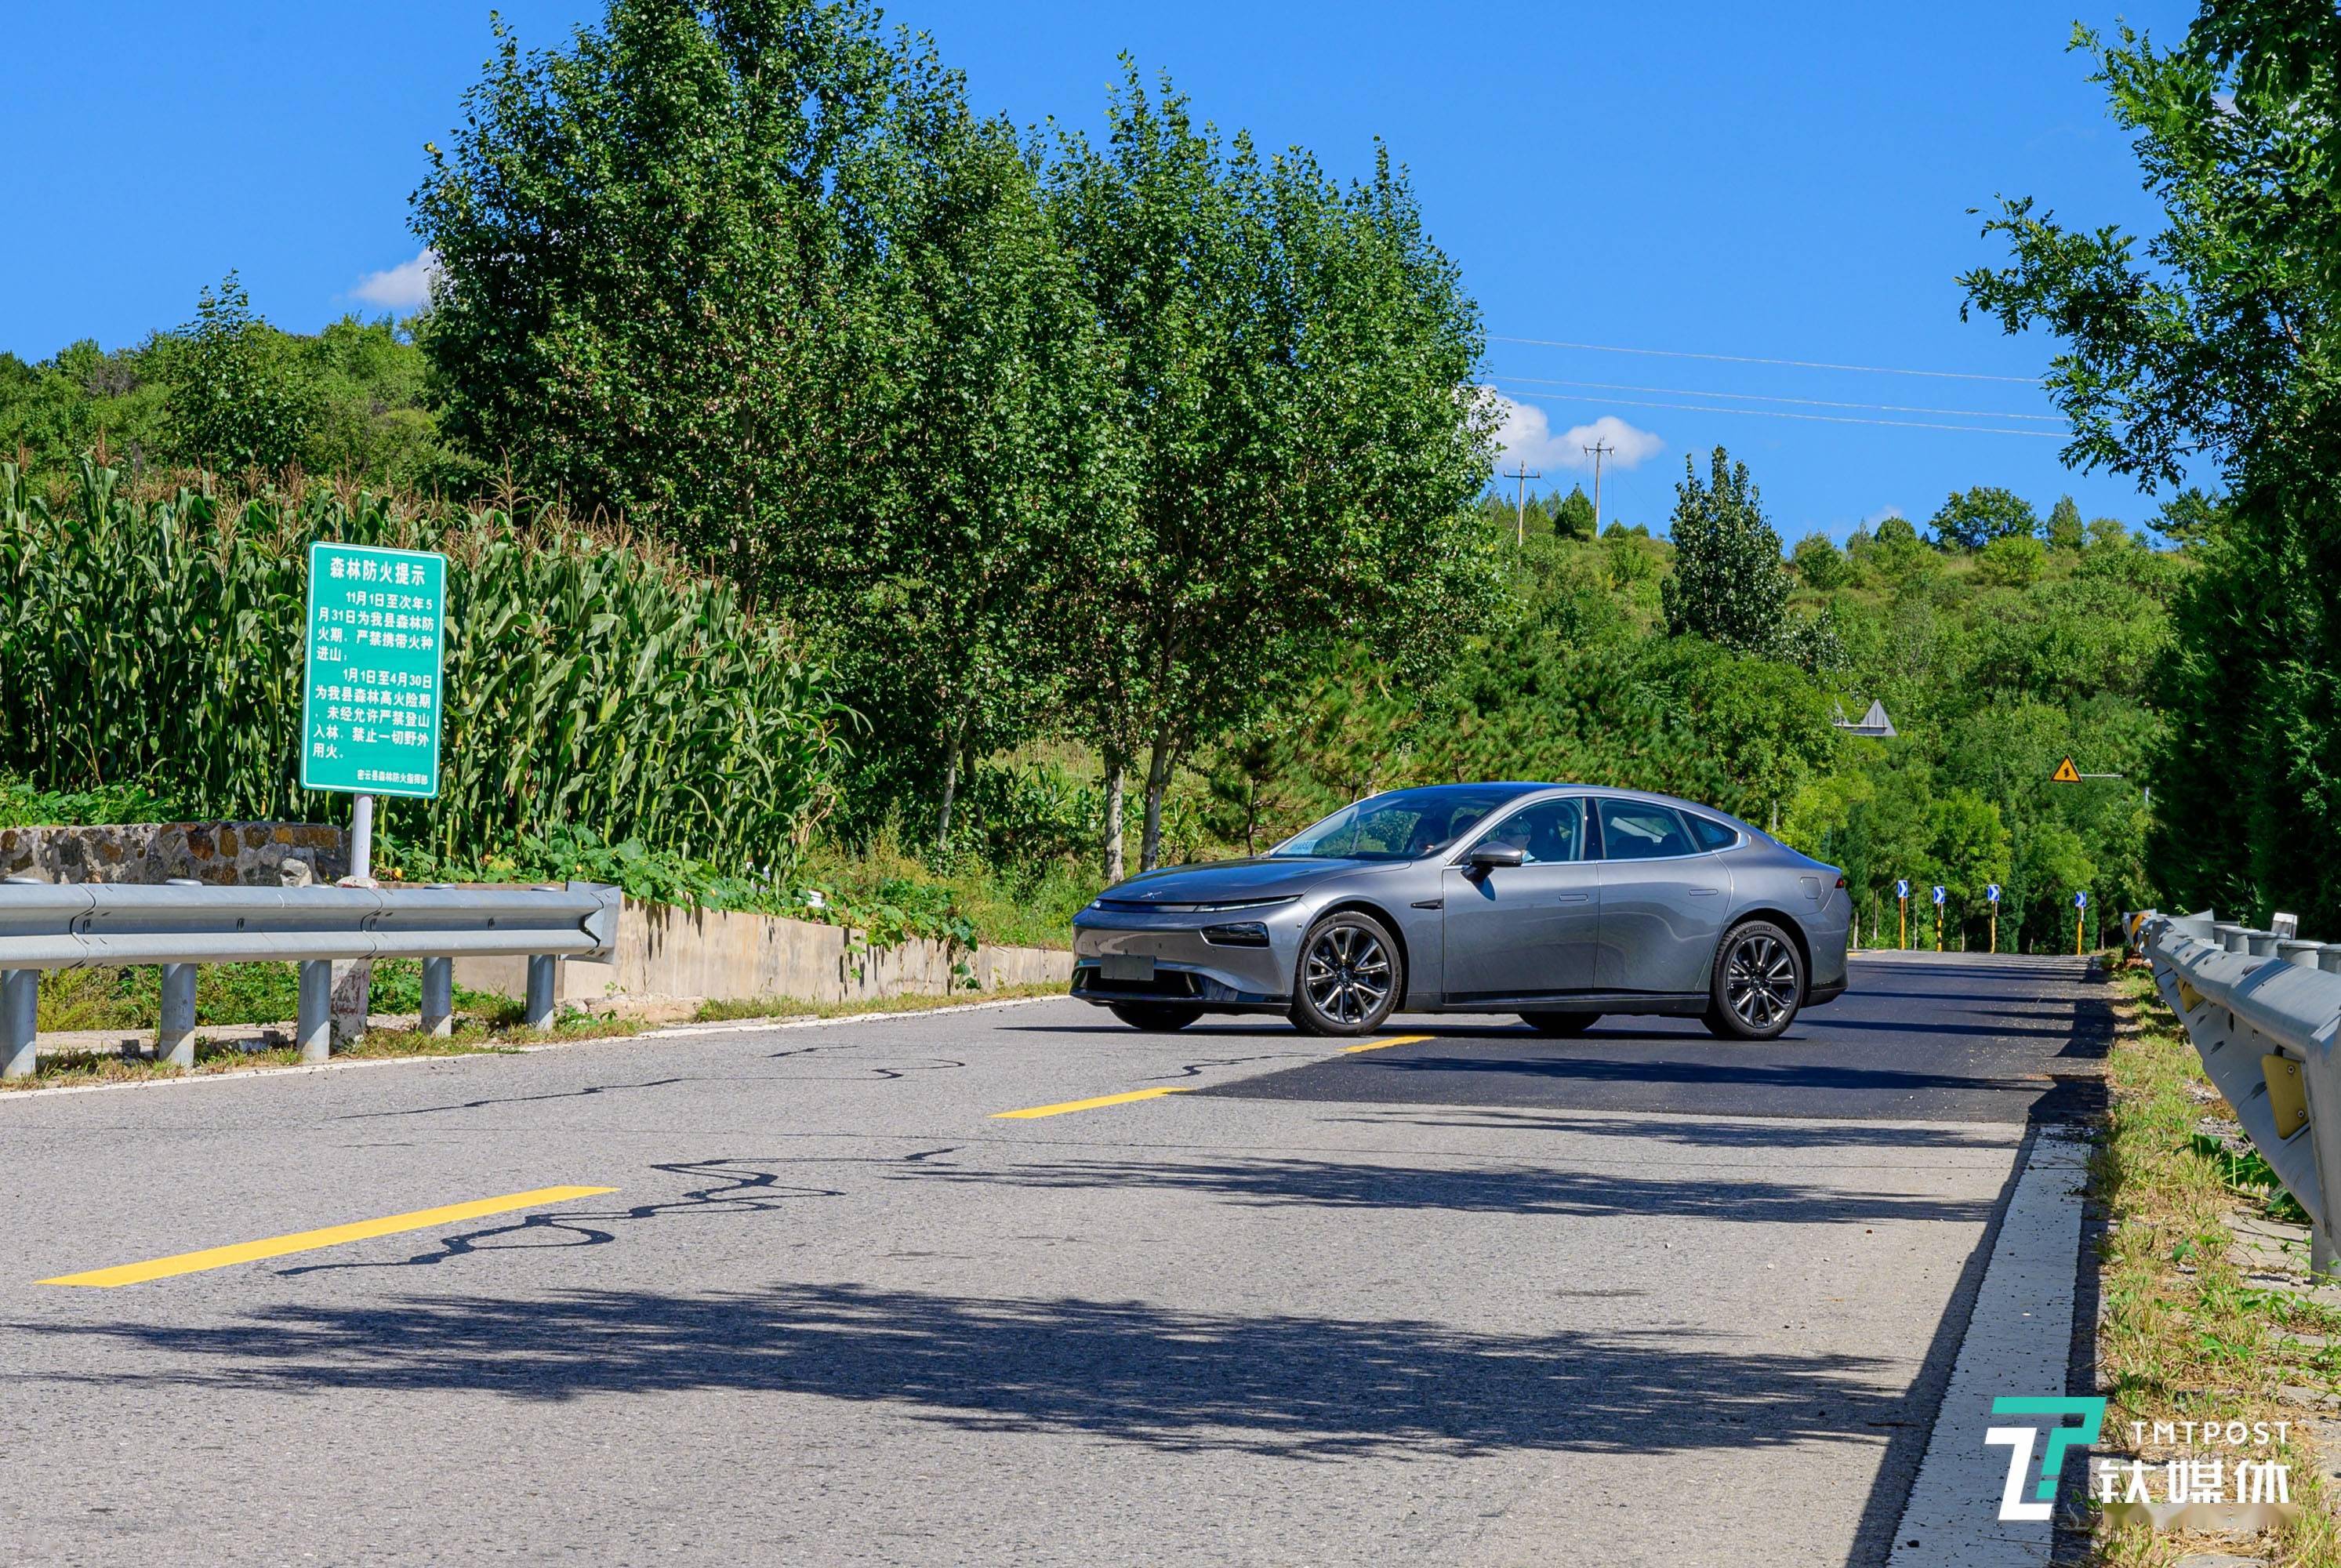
x: 1302, y: 467
x: 2214, y: 342
x: 655, y: 248
x: 2064, y: 531
x: 1728, y: 584
x: 2189, y: 517
x: 1821, y: 565
x: 1572, y: 515
x: 2010, y: 561
x: 1003, y: 474
x: 238, y: 399
x: 1970, y: 519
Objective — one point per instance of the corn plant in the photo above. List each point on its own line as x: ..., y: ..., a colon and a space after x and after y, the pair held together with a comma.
x: 588, y: 684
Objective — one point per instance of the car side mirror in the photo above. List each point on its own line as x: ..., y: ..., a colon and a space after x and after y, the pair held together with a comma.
x: 1487, y: 857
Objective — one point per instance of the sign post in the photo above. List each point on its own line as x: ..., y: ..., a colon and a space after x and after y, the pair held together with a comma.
x: 2080, y: 915
x: 1902, y: 909
x: 1991, y: 892
x: 371, y: 704
x: 1939, y: 896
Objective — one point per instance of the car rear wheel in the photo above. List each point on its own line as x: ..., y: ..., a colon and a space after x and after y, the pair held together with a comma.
x: 1758, y: 983
x: 1559, y: 1024
x: 1349, y: 978
x: 1155, y: 1017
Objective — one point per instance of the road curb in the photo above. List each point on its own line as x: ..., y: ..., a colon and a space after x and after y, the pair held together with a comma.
x: 2019, y: 1342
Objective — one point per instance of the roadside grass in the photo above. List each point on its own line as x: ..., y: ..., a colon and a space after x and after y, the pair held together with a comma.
x: 790, y: 1007
x: 495, y: 1033
x: 132, y: 998
x: 2183, y: 1334
x: 1012, y: 907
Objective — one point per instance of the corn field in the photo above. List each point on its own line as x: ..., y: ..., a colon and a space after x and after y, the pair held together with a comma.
x: 587, y: 683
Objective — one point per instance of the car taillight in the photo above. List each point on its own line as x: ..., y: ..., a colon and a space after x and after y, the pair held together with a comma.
x: 1840, y: 879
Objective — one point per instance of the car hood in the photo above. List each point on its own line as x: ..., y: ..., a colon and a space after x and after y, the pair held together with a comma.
x: 1229, y: 880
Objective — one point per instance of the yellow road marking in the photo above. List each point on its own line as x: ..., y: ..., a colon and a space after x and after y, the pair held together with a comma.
x: 331, y: 1236
x: 1102, y: 1100
x: 1031, y: 1112
x: 1386, y: 1044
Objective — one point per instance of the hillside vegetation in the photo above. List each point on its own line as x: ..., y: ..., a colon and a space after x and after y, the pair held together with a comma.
x: 972, y: 507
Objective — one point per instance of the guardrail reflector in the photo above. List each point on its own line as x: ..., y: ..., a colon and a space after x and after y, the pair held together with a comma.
x: 2287, y: 1094
x: 2189, y: 998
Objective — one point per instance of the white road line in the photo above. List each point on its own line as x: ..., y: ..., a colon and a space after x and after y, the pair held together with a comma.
x: 2017, y: 1342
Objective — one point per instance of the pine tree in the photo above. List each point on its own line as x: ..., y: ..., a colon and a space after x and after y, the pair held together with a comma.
x: 2065, y: 527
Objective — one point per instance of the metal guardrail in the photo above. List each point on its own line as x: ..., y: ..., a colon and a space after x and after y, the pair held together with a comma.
x: 179, y: 925
x: 2264, y: 1012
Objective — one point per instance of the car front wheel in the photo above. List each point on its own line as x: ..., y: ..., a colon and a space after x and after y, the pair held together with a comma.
x: 1758, y: 983
x: 1349, y: 978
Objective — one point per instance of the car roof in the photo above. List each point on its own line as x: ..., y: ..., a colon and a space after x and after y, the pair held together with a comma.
x: 1535, y: 786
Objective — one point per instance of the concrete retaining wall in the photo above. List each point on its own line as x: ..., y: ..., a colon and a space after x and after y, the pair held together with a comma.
x: 666, y: 952
x: 226, y: 853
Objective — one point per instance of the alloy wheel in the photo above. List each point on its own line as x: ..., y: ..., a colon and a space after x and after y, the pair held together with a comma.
x: 1347, y: 974
x: 1759, y: 981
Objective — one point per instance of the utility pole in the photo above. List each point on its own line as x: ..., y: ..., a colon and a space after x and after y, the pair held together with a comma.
x: 1597, y: 450
x: 1520, y: 506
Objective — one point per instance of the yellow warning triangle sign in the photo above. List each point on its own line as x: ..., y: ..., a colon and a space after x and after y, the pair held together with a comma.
x: 2066, y: 772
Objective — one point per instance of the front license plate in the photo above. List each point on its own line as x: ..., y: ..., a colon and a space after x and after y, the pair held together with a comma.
x: 1126, y: 966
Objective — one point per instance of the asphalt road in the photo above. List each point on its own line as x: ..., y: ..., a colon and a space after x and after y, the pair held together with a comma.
x: 1482, y: 1298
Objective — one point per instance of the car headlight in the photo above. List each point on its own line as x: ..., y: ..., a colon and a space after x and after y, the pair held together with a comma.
x: 1224, y: 904
x: 1240, y: 934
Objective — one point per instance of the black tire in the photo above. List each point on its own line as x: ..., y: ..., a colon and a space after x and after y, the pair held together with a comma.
x: 1561, y: 1025
x: 1349, y: 977
x: 1758, y: 983
x: 1154, y: 1017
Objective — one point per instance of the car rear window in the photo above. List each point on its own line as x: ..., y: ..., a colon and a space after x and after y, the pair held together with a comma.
x: 1711, y: 835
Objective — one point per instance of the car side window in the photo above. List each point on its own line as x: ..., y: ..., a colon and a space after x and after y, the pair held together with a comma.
x: 1711, y: 833
x: 1546, y: 832
x: 1637, y: 830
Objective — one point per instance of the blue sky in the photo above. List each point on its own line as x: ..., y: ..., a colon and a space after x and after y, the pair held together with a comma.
x: 1704, y: 179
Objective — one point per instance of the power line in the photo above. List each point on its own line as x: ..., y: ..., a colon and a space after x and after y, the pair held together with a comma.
x: 1806, y: 402
x: 1783, y: 414
x: 1755, y: 359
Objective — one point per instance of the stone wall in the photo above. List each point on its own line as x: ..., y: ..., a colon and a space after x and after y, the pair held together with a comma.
x: 666, y: 954
x: 225, y: 854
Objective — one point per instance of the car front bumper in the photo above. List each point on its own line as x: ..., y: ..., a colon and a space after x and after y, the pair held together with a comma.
x: 1218, y: 975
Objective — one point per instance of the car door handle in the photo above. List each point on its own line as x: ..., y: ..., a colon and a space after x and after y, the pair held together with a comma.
x: 1572, y: 898
x: 1705, y: 892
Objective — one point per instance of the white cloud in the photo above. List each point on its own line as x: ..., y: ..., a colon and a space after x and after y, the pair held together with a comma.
x: 1881, y: 514
x: 405, y: 287
x: 1526, y: 435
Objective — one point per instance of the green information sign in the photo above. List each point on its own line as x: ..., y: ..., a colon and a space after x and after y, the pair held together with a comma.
x: 370, y: 719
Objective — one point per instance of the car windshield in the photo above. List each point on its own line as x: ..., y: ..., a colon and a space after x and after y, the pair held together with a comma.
x: 1405, y: 824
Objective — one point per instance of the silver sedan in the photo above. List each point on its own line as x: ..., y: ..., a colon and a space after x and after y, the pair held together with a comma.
x: 1559, y: 902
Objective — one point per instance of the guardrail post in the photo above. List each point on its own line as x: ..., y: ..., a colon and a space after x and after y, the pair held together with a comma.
x: 315, y: 1030
x: 541, y: 973
x: 439, y: 996
x: 174, y: 1041
x: 20, y: 1013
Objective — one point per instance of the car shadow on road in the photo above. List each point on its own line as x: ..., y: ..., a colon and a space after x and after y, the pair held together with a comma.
x: 1510, y: 1189
x: 1278, y: 1385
